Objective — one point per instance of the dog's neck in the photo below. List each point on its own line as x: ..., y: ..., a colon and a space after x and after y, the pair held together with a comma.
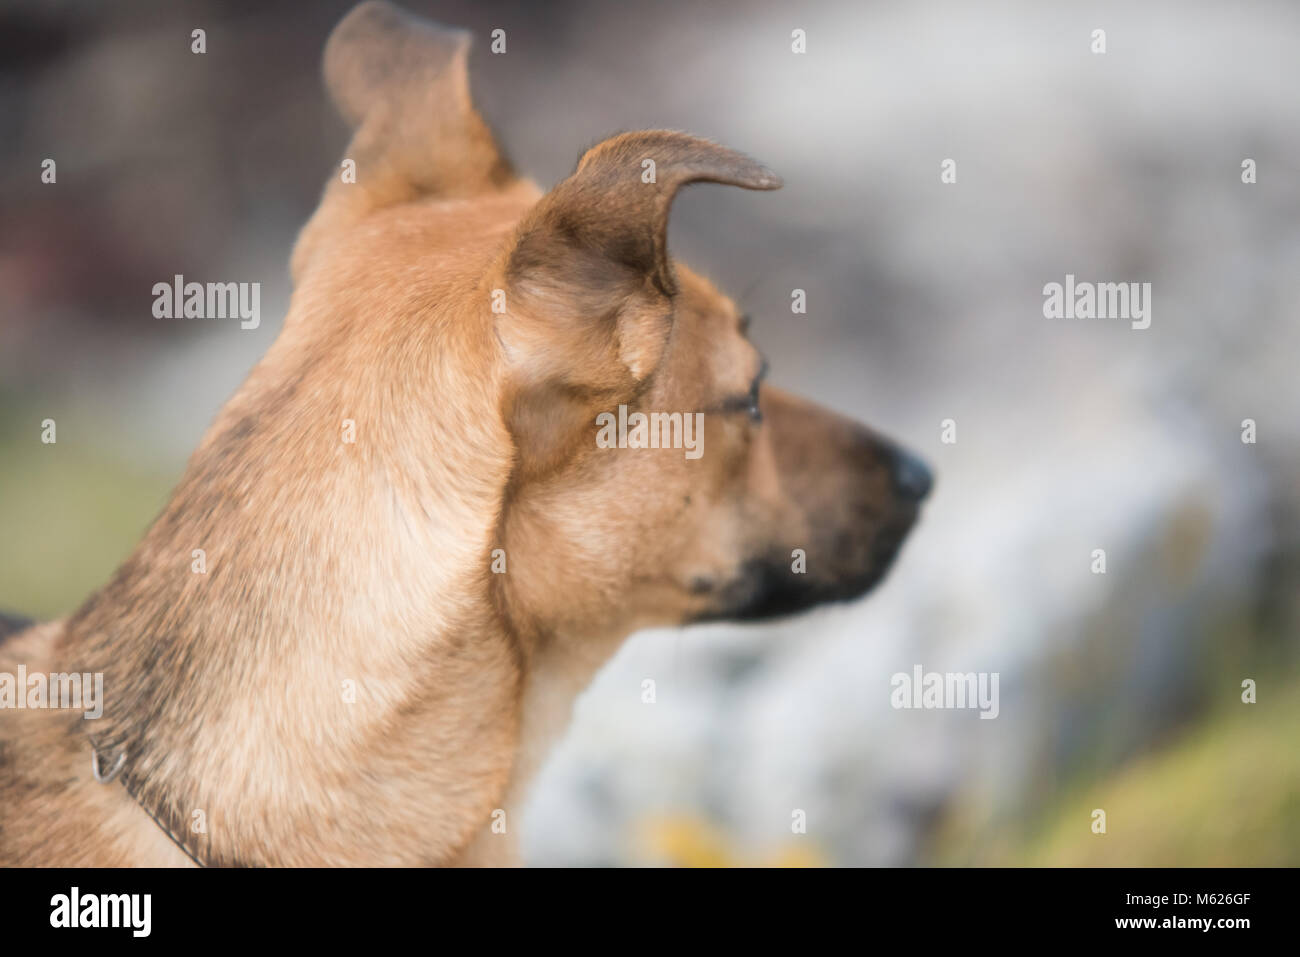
x: 306, y: 661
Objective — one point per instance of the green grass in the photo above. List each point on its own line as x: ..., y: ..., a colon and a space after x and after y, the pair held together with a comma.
x: 70, y: 512
x: 1226, y: 793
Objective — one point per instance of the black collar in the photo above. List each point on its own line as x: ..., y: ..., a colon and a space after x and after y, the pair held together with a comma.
x: 115, y: 769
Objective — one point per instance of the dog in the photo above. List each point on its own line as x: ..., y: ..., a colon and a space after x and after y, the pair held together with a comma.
x: 400, y: 552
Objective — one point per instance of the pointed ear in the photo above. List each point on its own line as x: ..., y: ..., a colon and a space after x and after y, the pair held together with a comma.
x: 402, y: 85
x: 590, y: 266
x: 590, y: 288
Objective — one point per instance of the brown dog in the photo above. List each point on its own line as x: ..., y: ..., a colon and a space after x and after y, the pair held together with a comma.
x: 416, y: 547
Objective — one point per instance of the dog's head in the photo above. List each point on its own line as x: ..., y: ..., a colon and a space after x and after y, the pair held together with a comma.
x: 654, y: 478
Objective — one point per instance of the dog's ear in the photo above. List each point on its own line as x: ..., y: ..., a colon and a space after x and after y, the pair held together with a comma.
x: 402, y: 85
x: 588, y: 277
x: 588, y: 282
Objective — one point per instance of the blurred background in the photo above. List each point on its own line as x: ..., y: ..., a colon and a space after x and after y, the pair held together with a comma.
x: 1120, y: 691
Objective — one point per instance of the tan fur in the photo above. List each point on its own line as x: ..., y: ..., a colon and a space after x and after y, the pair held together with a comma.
x: 370, y: 562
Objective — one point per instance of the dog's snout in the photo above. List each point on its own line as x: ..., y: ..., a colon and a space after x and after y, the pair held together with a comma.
x: 912, y: 477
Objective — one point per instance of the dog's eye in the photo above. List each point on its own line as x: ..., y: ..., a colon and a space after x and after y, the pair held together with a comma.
x: 754, y: 412
x: 746, y: 402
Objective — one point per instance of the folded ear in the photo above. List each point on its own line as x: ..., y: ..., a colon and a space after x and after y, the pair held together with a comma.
x: 590, y: 265
x: 589, y: 286
x: 402, y: 85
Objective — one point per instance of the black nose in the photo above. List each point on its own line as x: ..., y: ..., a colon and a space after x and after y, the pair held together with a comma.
x: 912, y: 477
